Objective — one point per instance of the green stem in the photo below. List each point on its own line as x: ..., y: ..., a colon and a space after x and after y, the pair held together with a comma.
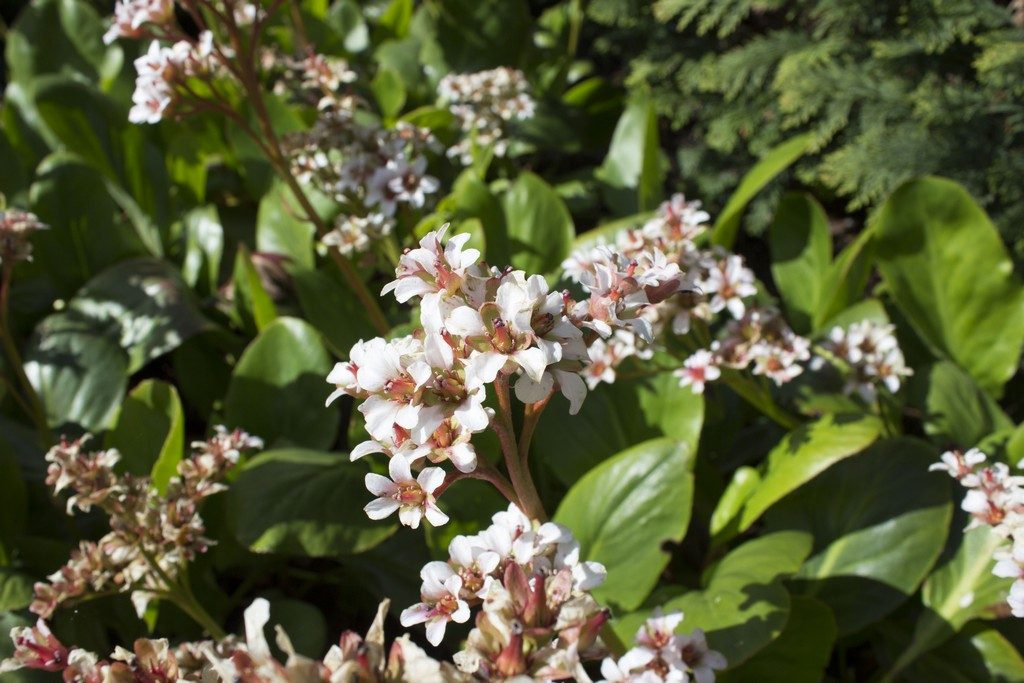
x: 518, y: 468
x: 181, y: 595
x: 30, y: 401
x: 758, y: 397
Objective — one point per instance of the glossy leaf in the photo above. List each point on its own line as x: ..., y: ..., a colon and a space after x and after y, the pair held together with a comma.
x: 539, y: 225
x: 801, y: 247
x: 633, y: 171
x: 253, y: 305
x: 771, y: 164
x: 800, y: 653
x: 330, y: 307
x: 204, y: 248
x: 804, y: 454
x: 879, y: 522
x: 281, y: 227
x: 844, y: 282
x: 624, y: 509
x: 150, y: 432
x: 743, y: 605
x: 302, y: 502
x: 389, y: 91
x: 982, y: 655
x: 957, y: 411
x: 278, y: 388
x: 970, y: 309
x: 745, y: 481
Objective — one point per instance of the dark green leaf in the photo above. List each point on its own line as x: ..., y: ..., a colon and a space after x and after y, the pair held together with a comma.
x: 801, y: 248
x: 539, y: 225
x: 303, y: 502
x: 633, y: 170
x: 957, y: 411
x: 278, y: 388
x: 150, y: 432
x: 389, y: 91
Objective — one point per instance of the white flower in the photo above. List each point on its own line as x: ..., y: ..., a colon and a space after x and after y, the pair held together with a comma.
x: 697, y: 370
x: 702, y: 661
x: 433, y: 268
x: 1016, y: 598
x: 630, y: 668
x: 441, y: 602
x: 473, y: 562
x: 131, y: 15
x: 729, y: 282
x: 413, y: 498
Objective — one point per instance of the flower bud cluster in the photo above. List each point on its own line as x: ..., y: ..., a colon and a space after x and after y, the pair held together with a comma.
x: 871, y: 355
x: 232, y: 660
x: 661, y: 656
x: 16, y: 229
x: 371, y: 171
x: 151, y: 533
x: 315, y: 79
x: 423, y: 395
x: 483, y: 103
x: 521, y: 573
x: 717, y: 282
x: 994, y: 498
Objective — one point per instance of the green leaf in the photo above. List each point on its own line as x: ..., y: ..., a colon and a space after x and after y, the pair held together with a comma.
x: 142, y: 304
x: 395, y: 18
x: 613, y: 418
x: 328, y: 305
x: 15, y: 590
x: 801, y: 247
x: 304, y: 624
x: 78, y: 372
x: 255, y: 308
x: 633, y: 171
x: 204, y: 248
x: 624, y: 509
x: 962, y: 589
x: 347, y: 20
x: 770, y: 165
x: 980, y: 655
x: 389, y: 91
x: 281, y: 227
x: 743, y: 606
x: 970, y: 309
x: 805, y: 453
x: 875, y: 540
x: 745, y: 481
x: 847, y: 276
x: 13, y: 503
x: 472, y: 198
x: 303, y: 502
x: 539, y: 225
x: 481, y: 34
x: 278, y: 388
x: 800, y: 653
x: 150, y: 432
x: 957, y: 411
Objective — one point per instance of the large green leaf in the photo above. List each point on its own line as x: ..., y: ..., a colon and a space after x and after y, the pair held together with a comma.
x: 957, y: 411
x: 632, y: 171
x: 800, y: 653
x: 143, y: 305
x: 254, y: 308
x: 15, y: 590
x: 980, y: 655
x: 204, y: 248
x: 278, y: 388
x: 150, y: 431
x: 539, y: 225
x: 482, y: 34
x: 281, y: 227
x: 801, y: 246
x: 879, y: 522
x: 844, y: 282
x: 78, y: 372
x: 807, y: 452
x: 624, y: 509
x: 960, y: 590
x: 330, y: 308
x: 968, y: 308
x: 770, y: 165
x: 743, y: 606
x: 304, y: 502
x: 613, y: 418
x: 745, y: 481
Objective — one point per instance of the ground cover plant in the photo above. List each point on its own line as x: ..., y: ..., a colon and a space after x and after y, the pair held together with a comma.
x: 359, y: 342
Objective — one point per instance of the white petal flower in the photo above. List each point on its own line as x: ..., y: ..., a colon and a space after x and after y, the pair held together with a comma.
x: 412, y: 498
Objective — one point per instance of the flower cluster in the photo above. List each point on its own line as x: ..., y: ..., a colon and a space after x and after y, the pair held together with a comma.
x: 492, y: 569
x: 423, y: 395
x: 717, y: 283
x: 483, y: 103
x: 662, y: 656
x: 371, y: 171
x: 314, y: 79
x: 871, y: 355
x: 232, y: 660
x: 151, y: 533
x: 16, y: 229
x: 994, y: 498
x: 131, y: 17
x: 162, y: 70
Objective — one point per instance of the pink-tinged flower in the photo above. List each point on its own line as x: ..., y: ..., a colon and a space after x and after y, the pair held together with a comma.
x: 412, y: 498
x: 697, y: 370
x: 659, y: 630
x: 702, y: 661
x: 960, y: 466
x: 1010, y: 561
x: 1016, y: 598
x: 474, y: 563
x: 35, y: 647
x: 630, y: 668
x: 433, y: 268
x: 441, y: 602
x: 131, y: 15
x: 729, y: 283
